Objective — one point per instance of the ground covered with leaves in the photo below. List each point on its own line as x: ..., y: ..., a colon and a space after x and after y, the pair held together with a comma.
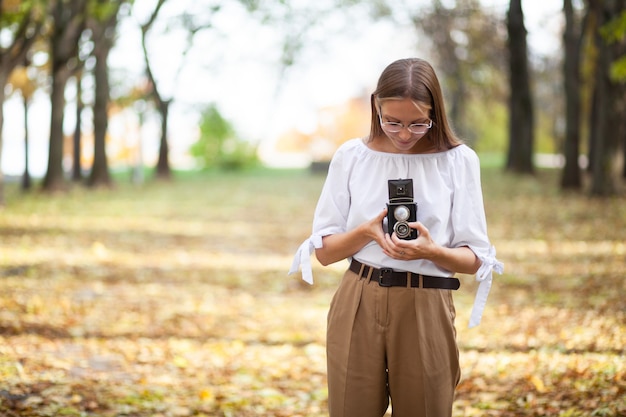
x: 174, y: 300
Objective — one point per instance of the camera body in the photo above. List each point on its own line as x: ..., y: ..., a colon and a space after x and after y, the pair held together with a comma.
x: 401, y: 209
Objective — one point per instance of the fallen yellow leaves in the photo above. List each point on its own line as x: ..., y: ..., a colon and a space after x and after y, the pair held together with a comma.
x: 173, y: 300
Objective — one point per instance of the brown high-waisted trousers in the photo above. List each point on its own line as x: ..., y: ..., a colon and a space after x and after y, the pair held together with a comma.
x: 391, y: 343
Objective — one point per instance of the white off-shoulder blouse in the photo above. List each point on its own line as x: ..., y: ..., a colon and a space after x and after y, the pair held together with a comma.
x: 449, y: 199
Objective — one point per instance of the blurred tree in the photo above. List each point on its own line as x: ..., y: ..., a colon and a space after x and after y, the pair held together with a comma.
x: 468, y: 46
x: 521, y: 118
x: 163, y: 170
x: 85, y: 47
x: 572, y: 41
x: 77, y: 172
x: 614, y: 33
x: 20, y: 80
x: 608, y: 115
x: 68, y: 23
x: 219, y: 146
x: 294, y: 22
x: 102, y: 21
x: 20, y: 24
x: 192, y: 24
x: 214, y: 131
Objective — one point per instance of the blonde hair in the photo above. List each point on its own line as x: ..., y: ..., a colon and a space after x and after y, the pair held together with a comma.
x: 415, y: 79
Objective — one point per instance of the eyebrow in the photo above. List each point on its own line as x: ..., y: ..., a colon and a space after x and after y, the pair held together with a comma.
x: 396, y: 120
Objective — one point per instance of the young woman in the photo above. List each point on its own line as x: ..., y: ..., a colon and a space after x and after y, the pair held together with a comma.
x: 391, y: 333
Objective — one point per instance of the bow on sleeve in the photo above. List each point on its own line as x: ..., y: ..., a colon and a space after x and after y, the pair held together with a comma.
x: 303, y: 258
x: 484, y: 276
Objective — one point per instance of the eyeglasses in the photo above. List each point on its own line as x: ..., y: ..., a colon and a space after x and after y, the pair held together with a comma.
x: 395, y: 127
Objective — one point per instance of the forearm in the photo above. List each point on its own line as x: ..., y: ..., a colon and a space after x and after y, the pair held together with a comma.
x: 461, y: 260
x: 342, y: 245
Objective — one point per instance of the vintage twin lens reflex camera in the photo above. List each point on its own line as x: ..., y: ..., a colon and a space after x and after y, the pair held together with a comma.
x: 401, y: 209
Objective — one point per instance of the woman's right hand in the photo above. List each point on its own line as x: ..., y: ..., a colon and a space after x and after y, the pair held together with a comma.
x: 374, y: 228
x: 343, y: 245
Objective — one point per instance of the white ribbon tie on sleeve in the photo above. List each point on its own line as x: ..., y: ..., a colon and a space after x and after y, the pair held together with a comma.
x: 484, y: 275
x: 302, y: 258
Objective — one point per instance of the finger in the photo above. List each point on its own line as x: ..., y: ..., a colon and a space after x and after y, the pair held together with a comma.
x: 395, y: 253
x: 397, y: 241
x: 382, y: 240
x: 389, y: 243
x: 382, y: 220
x: 393, y: 245
x: 399, y: 247
x: 381, y: 216
x: 421, y: 229
x: 402, y: 247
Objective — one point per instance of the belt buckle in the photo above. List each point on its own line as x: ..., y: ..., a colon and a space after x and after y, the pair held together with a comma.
x: 384, y: 272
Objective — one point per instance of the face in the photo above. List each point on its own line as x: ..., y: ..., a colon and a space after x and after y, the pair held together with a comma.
x: 405, y: 112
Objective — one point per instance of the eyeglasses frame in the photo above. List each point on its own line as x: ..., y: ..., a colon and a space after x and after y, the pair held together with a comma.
x: 384, y: 126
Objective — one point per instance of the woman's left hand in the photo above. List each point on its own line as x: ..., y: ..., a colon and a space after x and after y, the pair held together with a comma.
x: 421, y: 248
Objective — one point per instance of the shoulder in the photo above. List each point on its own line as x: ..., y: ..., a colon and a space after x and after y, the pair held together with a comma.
x: 348, y: 150
x: 350, y: 146
x: 464, y: 151
x: 464, y: 166
x: 463, y: 155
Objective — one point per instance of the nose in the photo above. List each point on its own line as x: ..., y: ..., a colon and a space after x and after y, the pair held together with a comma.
x: 405, y: 133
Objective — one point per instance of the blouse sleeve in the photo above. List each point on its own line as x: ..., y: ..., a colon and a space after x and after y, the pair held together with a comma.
x: 470, y: 228
x: 331, y: 214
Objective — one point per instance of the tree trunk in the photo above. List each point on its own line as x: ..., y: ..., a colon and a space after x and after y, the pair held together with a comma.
x: 100, y: 170
x: 26, y: 179
x: 3, y: 81
x: 606, y: 119
x: 571, y: 176
x: 163, y: 170
x: 601, y: 179
x: 521, y: 120
x: 77, y: 174
x: 11, y: 56
x: 624, y: 150
x: 163, y: 164
x: 620, y: 111
x: 53, y: 180
x: 69, y: 22
x: 103, y: 30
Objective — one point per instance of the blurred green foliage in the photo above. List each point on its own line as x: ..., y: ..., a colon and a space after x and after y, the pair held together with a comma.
x: 615, y: 31
x: 219, y: 146
x: 490, y: 124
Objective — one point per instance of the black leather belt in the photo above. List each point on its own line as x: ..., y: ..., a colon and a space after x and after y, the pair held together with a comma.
x: 387, y: 277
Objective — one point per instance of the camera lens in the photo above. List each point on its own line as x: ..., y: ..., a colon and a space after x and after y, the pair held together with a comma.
x: 401, y: 213
x: 402, y: 229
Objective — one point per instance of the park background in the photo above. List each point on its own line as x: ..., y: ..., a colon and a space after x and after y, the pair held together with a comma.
x: 164, y: 293
x: 241, y: 57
